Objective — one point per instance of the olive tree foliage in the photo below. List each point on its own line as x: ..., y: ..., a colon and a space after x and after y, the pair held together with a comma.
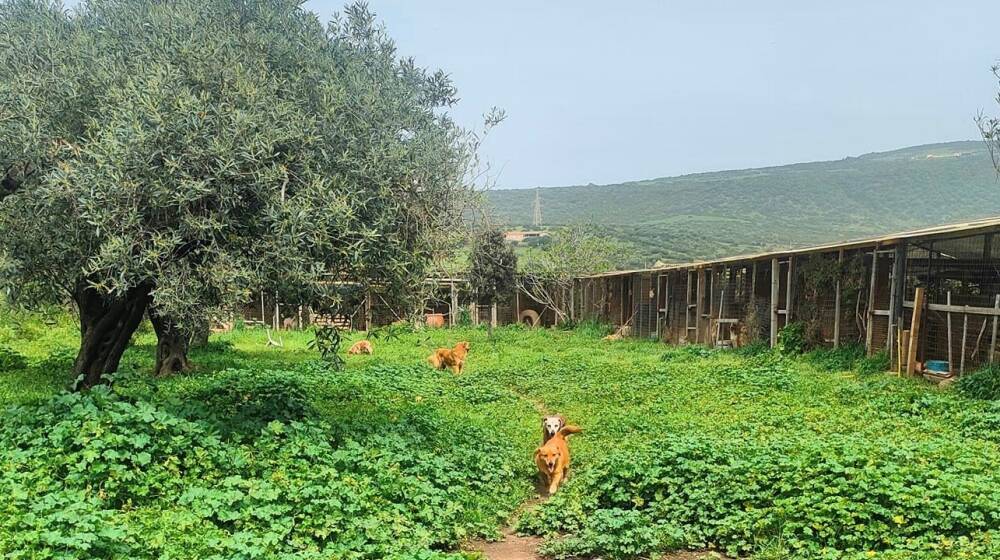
x: 571, y: 251
x: 990, y: 127
x: 177, y: 155
x: 493, y: 267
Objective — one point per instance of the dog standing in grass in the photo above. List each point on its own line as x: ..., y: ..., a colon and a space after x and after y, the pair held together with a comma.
x: 453, y: 358
x: 552, y: 458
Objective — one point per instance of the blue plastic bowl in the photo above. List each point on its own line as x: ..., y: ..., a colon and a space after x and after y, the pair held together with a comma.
x: 937, y: 366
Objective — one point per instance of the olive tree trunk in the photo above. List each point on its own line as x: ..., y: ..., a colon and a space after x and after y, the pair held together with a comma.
x: 199, y: 338
x: 106, y: 327
x: 172, y: 343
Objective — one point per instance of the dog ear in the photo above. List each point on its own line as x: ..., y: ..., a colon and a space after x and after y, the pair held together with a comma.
x: 562, y: 421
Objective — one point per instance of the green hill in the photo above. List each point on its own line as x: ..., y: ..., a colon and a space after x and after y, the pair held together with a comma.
x: 707, y: 215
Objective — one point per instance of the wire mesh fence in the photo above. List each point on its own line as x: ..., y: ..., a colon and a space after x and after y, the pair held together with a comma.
x: 862, y: 293
x: 855, y: 294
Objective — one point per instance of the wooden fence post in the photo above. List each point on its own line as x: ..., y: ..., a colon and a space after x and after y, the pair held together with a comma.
x: 951, y: 361
x: 870, y: 323
x: 368, y: 310
x: 896, y: 294
x: 836, y: 300
x: 993, y: 339
x: 454, y: 305
x: 789, y: 289
x: 918, y: 307
x: 775, y: 287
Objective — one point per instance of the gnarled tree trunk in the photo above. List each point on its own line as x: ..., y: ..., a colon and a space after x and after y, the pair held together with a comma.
x: 106, y: 327
x: 199, y: 336
x: 172, y: 344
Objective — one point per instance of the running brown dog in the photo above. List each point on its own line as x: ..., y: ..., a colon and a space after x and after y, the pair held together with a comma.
x: 552, y: 459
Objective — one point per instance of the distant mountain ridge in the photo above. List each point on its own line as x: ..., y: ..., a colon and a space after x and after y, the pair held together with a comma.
x: 724, y: 213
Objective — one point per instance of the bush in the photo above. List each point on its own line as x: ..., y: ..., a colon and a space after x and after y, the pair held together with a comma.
x: 11, y: 360
x: 981, y: 384
x: 792, y: 339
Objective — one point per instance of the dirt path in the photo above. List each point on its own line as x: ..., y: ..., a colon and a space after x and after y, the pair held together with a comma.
x: 516, y: 547
x: 512, y: 547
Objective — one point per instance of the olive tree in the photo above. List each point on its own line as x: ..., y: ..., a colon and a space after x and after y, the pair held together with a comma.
x: 175, y: 156
x: 493, y: 267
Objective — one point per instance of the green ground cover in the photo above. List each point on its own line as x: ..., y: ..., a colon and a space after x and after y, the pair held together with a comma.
x: 263, y: 452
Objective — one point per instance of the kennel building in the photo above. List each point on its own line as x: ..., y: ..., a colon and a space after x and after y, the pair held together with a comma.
x: 865, y: 291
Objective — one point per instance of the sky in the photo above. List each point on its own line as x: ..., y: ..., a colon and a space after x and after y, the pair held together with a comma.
x: 600, y: 93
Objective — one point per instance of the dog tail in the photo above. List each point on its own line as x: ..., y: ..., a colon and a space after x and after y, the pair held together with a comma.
x: 434, y: 360
x: 567, y: 430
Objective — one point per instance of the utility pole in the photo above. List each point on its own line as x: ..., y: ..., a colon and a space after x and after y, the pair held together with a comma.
x: 536, y: 219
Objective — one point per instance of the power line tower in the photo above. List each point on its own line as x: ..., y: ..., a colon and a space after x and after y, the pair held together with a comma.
x: 536, y: 219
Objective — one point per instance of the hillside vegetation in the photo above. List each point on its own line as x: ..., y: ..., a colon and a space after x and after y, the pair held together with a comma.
x: 264, y: 452
x: 707, y: 215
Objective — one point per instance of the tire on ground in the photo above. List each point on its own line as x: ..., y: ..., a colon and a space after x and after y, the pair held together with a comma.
x: 529, y: 317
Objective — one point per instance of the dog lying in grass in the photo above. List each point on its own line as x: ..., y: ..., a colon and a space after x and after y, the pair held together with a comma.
x: 551, y: 425
x: 361, y: 347
x: 453, y: 358
x: 552, y: 458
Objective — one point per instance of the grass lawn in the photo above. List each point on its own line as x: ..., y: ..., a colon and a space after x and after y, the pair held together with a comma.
x: 263, y: 452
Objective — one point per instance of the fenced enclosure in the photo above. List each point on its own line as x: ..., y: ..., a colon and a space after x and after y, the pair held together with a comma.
x: 861, y: 292
x: 366, y: 308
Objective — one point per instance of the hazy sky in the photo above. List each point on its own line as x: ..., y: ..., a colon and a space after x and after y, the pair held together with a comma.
x: 599, y: 93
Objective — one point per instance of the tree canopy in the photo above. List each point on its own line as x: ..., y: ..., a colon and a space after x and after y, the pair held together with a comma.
x: 570, y: 251
x: 493, y: 268
x: 181, y: 154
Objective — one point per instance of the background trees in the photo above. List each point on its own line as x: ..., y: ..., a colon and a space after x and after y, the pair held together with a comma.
x: 990, y: 128
x: 571, y: 251
x: 493, y: 268
x: 177, y: 155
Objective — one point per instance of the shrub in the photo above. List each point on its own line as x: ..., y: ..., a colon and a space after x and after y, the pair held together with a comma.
x: 11, y: 360
x: 327, y: 342
x: 792, y: 339
x: 981, y: 384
